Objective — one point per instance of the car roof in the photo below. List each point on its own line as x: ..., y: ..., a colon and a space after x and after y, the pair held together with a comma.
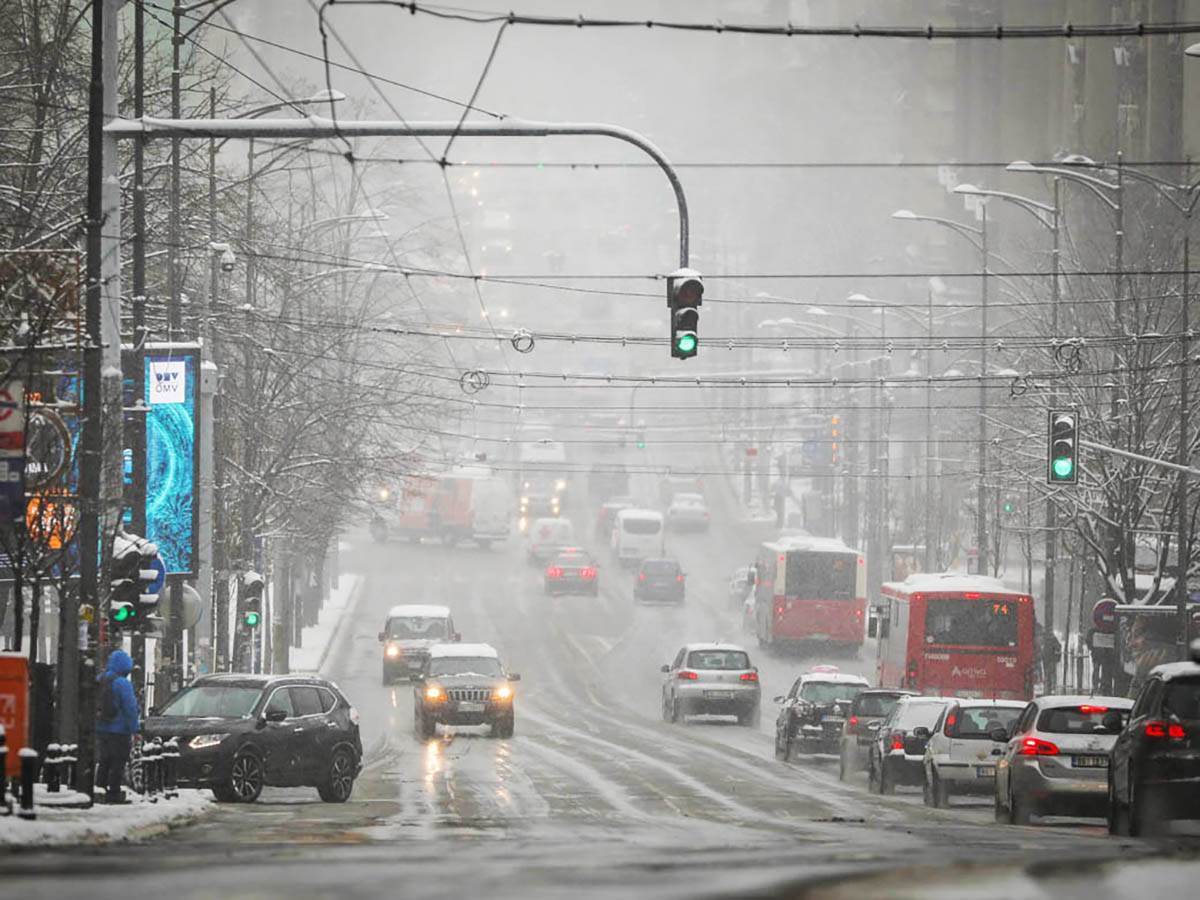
x: 247, y: 679
x: 1169, y: 671
x: 419, y: 610
x: 833, y: 678
x: 687, y: 497
x: 634, y: 512
x: 714, y: 645
x: 445, y: 651
x: 660, y: 559
x: 1056, y: 701
x: 969, y: 703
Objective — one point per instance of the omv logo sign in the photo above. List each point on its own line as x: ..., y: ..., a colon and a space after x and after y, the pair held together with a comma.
x: 168, y: 381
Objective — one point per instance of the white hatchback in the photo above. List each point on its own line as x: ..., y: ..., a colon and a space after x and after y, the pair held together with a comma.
x: 961, y: 755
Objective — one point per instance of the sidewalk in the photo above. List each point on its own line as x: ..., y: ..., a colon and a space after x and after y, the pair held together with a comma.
x: 316, y: 640
x: 137, y: 821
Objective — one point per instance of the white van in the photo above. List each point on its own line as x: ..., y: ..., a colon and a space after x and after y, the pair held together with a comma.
x: 637, y: 534
x: 491, y: 510
x: 547, y: 537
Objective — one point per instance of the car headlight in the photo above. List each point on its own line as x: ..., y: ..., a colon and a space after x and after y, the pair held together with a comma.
x: 504, y: 692
x: 203, y: 741
x: 433, y: 692
x: 392, y: 651
x: 561, y: 484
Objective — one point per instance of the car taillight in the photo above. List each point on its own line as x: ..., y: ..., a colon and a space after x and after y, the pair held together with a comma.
x: 588, y: 572
x: 897, y: 742
x: 749, y: 676
x: 1037, y: 747
x: 852, y: 725
x: 641, y: 576
x: 685, y: 675
x: 554, y: 572
x: 1172, y: 730
x: 679, y: 578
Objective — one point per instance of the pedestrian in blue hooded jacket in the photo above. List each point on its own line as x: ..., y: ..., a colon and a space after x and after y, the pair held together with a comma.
x: 116, y: 725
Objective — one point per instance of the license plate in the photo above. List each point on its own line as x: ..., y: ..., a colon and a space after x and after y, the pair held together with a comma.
x: 1091, y: 762
x: 985, y: 771
x: 469, y: 706
x: 718, y: 695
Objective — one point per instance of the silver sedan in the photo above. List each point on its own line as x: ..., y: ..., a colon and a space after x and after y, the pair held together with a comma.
x: 1056, y: 759
x: 711, y: 679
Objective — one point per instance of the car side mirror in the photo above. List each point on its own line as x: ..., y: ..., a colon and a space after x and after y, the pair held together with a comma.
x: 275, y: 714
x: 664, y: 669
x: 1112, y: 722
x: 779, y: 699
x: 456, y: 637
x: 999, y: 734
x: 417, y: 676
x: 873, y: 726
x: 514, y: 677
x: 382, y: 636
x: 921, y: 732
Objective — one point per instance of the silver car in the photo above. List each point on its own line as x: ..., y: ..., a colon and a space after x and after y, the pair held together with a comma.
x: 1056, y: 759
x: 711, y: 679
x: 688, y: 512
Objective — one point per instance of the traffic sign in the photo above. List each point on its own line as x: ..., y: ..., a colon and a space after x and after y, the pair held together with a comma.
x: 1104, y: 615
x: 12, y: 419
x: 156, y: 586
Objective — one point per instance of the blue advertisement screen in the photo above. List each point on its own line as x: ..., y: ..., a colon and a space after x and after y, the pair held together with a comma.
x: 172, y: 396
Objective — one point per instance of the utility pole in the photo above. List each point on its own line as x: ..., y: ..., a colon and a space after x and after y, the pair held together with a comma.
x: 981, y: 498
x: 1051, y: 508
x: 928, y: 563
x: 1183, y: 551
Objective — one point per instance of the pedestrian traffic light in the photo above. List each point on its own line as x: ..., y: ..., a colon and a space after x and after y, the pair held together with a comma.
x: 685, y: 291
x: 1062, y: 462
x: 252, y: 595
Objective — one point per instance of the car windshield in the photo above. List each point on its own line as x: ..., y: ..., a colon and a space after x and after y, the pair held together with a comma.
x: 918, y: 715
x: 829, y: 691
x: 962, y: 622
x: 1076, y: 720
x: 488, y: 666
x: 571, y: 559
x: 1182, y: 698
x: 417, y: 628
x: 979, y: 721
x: 660, y: 567
x: 875, y: 704
x: 641, y: 526
x: 718, y: 659
x: 207, y: 701
x: 687, y: 500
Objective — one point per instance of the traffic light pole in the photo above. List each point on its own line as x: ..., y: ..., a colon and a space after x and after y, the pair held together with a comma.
x: 316, y: 127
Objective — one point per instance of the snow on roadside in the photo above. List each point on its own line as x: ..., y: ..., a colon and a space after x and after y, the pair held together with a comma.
x: 103, y: 824
x: 315, y: 640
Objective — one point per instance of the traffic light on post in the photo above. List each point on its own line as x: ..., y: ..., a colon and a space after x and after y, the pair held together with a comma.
x: 136, y: 580
x: 252, y: 597
x: 685, y: 291
x: 1062, y: 458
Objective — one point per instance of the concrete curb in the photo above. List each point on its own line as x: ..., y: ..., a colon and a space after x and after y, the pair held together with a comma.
x: 348, y: 612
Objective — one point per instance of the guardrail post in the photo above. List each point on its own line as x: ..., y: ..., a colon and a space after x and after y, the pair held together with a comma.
x: 170, y: 768
x: 29, y: 767
x: 52, y: 768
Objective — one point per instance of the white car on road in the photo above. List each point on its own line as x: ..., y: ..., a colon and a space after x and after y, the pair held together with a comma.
x: 961, y: 755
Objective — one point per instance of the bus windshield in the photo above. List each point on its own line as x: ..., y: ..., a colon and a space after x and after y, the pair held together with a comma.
x: 821, y: 576
x: 957, y: 621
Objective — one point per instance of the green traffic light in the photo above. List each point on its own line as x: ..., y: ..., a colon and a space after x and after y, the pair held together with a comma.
x: 1008, y: 506
x: 641, y: 445
x: 251, y: 619
x: 122, y: 614
x: 685, y: 343
x: 1062, y: 467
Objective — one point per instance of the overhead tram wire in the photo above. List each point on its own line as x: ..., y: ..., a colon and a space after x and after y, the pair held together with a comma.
x: 1066, y: 31
x: 312, y: 56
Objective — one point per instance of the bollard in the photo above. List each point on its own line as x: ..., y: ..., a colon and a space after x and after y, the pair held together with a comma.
x: 151, y: 760
x: 67, y: 761
x: 170, y: 768
x: 29, y: 766
x: 52, y: 768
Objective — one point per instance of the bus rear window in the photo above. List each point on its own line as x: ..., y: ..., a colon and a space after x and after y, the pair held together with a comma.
x: 959, y: 622
x: 821, y: 576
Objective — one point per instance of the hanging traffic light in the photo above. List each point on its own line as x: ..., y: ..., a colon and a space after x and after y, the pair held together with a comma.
x: 641, y: 439
x: 835, y: 435
x: 685, y: 291
x: 1062, y: 458
x: 252, y: 596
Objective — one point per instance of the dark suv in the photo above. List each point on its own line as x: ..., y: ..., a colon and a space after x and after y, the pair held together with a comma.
x: 463, y: 684
x: 239, y: 733
x: 867, y: 710
x: 659, y: 581
x: 1154, y: 767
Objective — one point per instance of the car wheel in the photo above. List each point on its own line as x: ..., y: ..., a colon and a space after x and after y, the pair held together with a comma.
x: 423, y: 726
x: 245, y: 778
x: 843, y: 767
x: 1018, y: 809
x: 504, y: 728
x: 1118, y: 813
x: 677, y: 711
x: 927, y: 789
x: 887, y: 781
x: 387, y: 679
x: 998, y: 809
x: 781, y: 748
x: 339, y: 780
x: 223, y: 793
x: 873, y: 777
x: 941, y: 792
x: 1142, y: 820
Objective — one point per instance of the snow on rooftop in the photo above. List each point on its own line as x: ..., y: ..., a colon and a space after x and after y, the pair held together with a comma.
x: 952, y: 581
x: 419, y: 611
x: 441, y: 651
x: 810, y: 542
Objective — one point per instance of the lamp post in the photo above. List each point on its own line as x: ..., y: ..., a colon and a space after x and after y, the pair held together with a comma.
x: 977, y: 238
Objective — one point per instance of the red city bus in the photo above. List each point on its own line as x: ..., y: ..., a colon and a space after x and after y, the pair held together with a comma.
x: 810, y: 589
x: 956, y: 635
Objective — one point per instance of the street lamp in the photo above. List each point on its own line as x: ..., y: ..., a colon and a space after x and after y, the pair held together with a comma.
x: 977, y: 238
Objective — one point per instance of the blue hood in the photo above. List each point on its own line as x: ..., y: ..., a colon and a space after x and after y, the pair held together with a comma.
x: 119, y: 663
